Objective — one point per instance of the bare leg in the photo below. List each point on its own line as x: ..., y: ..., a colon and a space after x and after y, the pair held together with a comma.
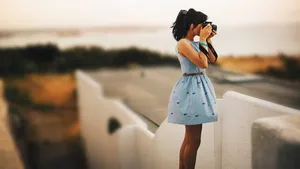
x: 181, y: 166
x: 193, y: 133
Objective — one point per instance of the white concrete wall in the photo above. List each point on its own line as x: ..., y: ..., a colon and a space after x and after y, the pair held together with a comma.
x: 168, y: 138
x: 95, y: 111
x: 135, y: 145
x: 3, y: 105
x: 276, y: 142
x: 238, y: 113
x: 9, y: 154
x: 225, y: 144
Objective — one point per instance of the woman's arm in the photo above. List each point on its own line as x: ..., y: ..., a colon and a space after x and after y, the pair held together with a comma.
x: 186, y: 49
x: 212, y: 56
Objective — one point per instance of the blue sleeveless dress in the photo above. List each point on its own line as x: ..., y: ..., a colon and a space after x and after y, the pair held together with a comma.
x: 192, y: 100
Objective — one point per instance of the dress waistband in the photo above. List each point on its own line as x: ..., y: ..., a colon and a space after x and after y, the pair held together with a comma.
x: 192, y: 74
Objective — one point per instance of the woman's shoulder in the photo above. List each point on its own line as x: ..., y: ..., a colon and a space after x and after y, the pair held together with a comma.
x: 182, y: 43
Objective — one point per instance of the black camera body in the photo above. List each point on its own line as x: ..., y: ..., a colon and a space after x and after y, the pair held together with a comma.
x: 213, y: 26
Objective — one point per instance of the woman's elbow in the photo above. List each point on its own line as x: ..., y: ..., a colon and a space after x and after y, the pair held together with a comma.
x: 203, y: 66
x: 214, y: 60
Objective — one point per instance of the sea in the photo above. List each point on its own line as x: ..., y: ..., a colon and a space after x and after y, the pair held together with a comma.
x: 267, y: 40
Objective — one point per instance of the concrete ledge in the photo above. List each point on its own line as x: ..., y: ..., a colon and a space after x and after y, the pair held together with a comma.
x: 9, y: 155
x: 239, y: 111
x: 3, y: 105
x: 225, y: 145
x: 242, y: 78
x: 276, y: 142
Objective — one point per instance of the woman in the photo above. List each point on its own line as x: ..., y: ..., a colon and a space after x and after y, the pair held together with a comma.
x: 192, y: 101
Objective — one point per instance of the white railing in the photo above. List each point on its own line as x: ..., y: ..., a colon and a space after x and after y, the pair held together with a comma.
x: 225, y: 144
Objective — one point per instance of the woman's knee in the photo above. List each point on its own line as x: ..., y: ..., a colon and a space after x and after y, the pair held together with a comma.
x: 194, y: 141
x: 193, y: 135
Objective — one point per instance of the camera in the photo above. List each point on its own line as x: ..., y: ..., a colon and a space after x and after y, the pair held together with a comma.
x: 213, y: 26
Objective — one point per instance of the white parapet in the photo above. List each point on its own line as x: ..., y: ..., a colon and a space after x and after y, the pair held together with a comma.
x: 276, y: 142
x: 3, y: 105
x: 239, y: 111
x: 225, y: 144
x: 135, y: 144
x: 9, y: 154
x: 98, y: 115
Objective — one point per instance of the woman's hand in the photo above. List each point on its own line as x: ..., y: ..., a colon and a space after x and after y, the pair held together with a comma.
x: 205, y: 32
x: 213, y: 33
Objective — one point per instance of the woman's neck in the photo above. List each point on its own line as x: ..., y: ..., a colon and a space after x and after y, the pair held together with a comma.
x: 189, y: 36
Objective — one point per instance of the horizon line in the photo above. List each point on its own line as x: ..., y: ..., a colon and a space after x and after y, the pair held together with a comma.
x: 126, y: 26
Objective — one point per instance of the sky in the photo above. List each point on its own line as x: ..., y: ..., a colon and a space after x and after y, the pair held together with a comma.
x: 31, y: 14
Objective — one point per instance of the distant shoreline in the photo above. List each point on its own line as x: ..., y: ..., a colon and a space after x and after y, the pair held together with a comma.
x: 269, y: 39
x: 87, y: 29
x: 251, y: 64
x: 281, y: 66
x: 122, y: 28
x: 158, y: 26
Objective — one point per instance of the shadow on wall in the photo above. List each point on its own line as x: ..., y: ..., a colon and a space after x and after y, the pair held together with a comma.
x: 113, y: 125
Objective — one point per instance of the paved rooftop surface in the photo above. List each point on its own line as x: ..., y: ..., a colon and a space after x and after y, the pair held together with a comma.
x: 148, y: 95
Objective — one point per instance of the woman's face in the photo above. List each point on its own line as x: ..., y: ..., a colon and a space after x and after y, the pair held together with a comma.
x: 196, y: 29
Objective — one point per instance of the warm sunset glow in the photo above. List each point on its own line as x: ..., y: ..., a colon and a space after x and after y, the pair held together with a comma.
x: 72, y: 13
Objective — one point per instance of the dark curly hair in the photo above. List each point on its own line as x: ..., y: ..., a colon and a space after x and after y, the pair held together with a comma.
x: 184, y: 20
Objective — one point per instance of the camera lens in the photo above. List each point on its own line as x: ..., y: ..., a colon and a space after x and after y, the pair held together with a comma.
x: 214, y: 27
x: 205, y: 24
